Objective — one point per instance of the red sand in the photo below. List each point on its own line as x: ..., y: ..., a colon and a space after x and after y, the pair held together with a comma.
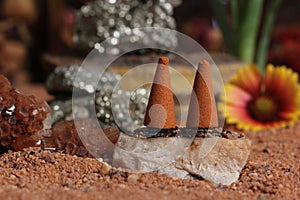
x: 272, y: 172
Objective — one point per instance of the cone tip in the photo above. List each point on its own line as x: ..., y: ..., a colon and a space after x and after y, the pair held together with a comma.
x: 163, y: 60
x: 204, y: 63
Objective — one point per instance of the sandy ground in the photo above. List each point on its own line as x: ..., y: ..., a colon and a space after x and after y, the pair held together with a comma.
x: 272, y: 172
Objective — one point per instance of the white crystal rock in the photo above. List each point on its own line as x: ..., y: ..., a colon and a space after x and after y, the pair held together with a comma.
x: 215, y: 159
x: 221, y: 164
x: 148, y: 154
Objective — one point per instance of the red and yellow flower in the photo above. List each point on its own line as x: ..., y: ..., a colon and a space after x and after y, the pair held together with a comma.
x: 254, y: 101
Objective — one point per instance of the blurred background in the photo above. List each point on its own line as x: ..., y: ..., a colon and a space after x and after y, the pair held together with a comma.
x: 29, y: 29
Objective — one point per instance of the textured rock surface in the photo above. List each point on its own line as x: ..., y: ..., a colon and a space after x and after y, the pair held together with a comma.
x: 148, y: 154
x: 22, y: 118
x: 220, y: 162
x: 89, y: 142
x: 215, y: 159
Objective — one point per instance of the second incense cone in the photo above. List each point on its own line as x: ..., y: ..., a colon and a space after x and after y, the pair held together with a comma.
x: 160, y: 111
x: 202, y: 110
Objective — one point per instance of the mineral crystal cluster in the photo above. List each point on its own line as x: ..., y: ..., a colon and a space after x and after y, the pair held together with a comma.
x: 21, y: 118
x: 64, y: 137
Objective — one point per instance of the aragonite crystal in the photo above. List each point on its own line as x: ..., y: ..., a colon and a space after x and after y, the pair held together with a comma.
x: 64, y: 137
x: 21, y: 118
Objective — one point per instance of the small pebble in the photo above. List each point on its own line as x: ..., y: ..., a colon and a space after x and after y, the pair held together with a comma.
x: 133, y: 178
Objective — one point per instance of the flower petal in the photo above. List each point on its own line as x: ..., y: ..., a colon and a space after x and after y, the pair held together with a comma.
x: 279, y: 85
x: 249, y: 79
x: 236, y: 96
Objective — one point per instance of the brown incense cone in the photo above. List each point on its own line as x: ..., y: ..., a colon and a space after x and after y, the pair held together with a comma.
x: 202, y: 110
x: 160, y: 110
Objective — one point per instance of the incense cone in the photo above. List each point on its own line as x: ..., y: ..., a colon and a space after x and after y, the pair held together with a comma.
x: 160, y: 110
x: 202, y: 110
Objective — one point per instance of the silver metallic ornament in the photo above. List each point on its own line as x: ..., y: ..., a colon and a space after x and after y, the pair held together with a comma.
x: 65, y: 78
x: 62, y: 109
x: 127, y: 110
x: 122, y: 108
x: 115, y: 19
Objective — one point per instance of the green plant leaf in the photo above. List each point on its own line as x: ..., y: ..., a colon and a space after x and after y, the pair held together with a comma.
x: 248, y: 29
x: 266, y: 34
x: 234, y: 13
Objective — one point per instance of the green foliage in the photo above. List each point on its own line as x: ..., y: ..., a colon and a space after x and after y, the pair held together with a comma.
x: 241, y: 33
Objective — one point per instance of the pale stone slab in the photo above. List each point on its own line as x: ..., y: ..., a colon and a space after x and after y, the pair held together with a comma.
x: 221, y: 164
x: 148, y: 154
x: 215, y: 159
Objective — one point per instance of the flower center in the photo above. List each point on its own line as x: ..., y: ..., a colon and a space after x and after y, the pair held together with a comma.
x: 263, y: 109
